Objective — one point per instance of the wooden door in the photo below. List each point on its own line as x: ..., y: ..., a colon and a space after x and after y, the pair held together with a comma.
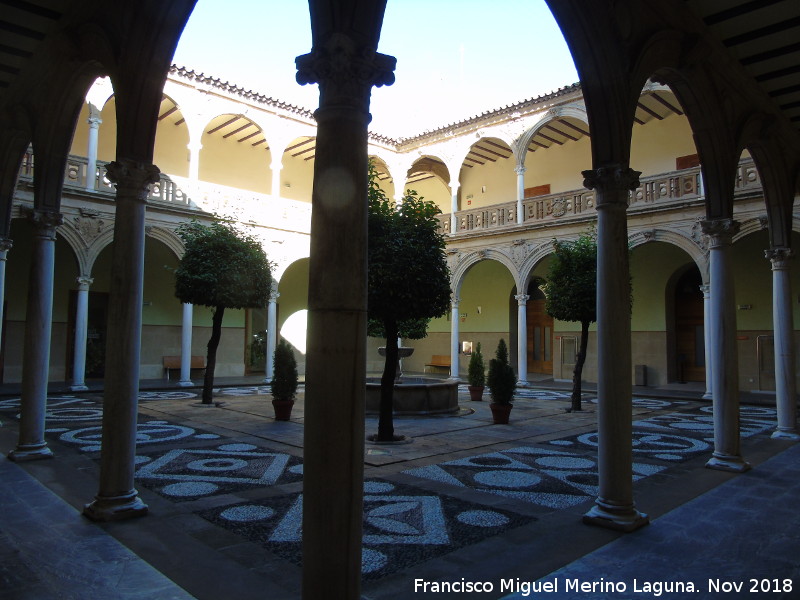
x: 689, y: 330
x: 540, y: 338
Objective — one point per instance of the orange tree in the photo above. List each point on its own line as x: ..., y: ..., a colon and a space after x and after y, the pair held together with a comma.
x: 408, y: 279
x: 221, y: 268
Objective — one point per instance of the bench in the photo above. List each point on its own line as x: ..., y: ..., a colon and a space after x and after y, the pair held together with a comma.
x: 439, y: 361
x: 174, y: 362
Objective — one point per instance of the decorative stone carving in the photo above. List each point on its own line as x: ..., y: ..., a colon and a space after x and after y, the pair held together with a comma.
x: 344, y: 71
x: 45, y: 222
x: 763, y: 222
x: 5, y: 246
x: 779, y: 257
x: 89, y: 228
x: 522, y: 299
x: 519, y: 252
x: 132, y: 179
x: 649, y: 235
x: 719, y: 231
x: 559, y: 207
x: 613, y: 178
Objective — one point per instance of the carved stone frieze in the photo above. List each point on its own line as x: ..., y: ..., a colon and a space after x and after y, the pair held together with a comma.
x: 559, y: 207
x: 519, y: 252
x: 88, y: 227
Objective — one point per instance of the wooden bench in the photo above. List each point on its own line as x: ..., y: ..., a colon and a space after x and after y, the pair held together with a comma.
x: 174, y: 362
x: 439, y: 361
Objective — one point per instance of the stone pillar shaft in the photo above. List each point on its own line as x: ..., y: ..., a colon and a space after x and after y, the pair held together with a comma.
x: 614, y: 507
x: 36, y: 352
x: 335, y: 389
x: 81, y: 334
x: 272, y: 333
x: 276, y: 167
x: 520, y: 171
x: 91, y: 150
x: 454, y: 207
x: 117, y: 498
x: 724, y: 360
x: 5, y: 246
x: 783, y: 329
x: 454, y: 335
x: 706, y: 289
x: 522, y: 339
x: 186, y: 345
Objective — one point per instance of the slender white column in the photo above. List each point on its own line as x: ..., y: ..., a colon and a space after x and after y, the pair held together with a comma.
x: 186, y: 345
x: 5, y: 246
x: 614, y: 507
x: 194, y: 161
x: 272, y: 332
x: 91, y: 150
x: 454, y: 321
x: 724, y: 361
x: 81, y: 332
x: 522, y: 339
x: 520, y: 171
x: 783, y: 331
x: 706, y: 289
x: 276, y: 167
x: 454, y: 185
x: 36, y: 353
x: 117, y: 497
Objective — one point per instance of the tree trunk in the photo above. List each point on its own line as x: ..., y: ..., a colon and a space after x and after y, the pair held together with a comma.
x: 211, y: 358
x: 576, y: 374
x: 385, y: 418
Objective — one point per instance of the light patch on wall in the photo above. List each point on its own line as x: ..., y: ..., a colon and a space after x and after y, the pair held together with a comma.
x: 294, y: 330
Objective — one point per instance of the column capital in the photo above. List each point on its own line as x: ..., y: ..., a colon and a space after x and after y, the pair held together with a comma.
x: 5, y: 246
x: 344, y: 71
x: 611, y: 178
x: 94, y: 122
x: 719, y: 231
x: 131, y: 178
x: 522, y: 299
x: 779, y: 257
x: 454, y: 301
x: 520, y: 169
x: 706, y: 289
x: 274, y: 295
x: 84, y: 283
x: 45, y: 222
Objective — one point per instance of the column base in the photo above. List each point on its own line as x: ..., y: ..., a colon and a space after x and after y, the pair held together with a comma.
x: 267, y: 380
x: 26, y: 452
x: 78, y: 388
x: 186, y: 383
x: 708, y: 396
x: 116, y: 508
x: 727, y: 462
x: 454, y: 379
x: 523, y: 383
x: 785, y: 434
x: 625, y: 519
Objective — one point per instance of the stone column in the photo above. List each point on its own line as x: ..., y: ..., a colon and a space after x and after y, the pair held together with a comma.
x: 186, y: 345
x: 272, y: 332
x: 91, y: 151
x: 520, y: 171
x: 81, y: 333
x: 117, y: 498
x: 454, y: 185
x: 194, y: 161
x: 454, y: 345
x: 724, y: 359
x: 706, y: 289
x: 335, y: 388
x: 614, y: 507
x: 522, y: 339
x: 36, y: 352
x: 5, y: 246
x: 277, y: 167
x: 783, y: 332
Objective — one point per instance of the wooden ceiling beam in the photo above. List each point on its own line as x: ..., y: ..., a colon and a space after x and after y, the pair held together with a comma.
x: 225, y: 124
x: 666, y: 103
x: 574, y: 127
x: 559, y: 132
x: 650, y: 111
x: 242, y: 128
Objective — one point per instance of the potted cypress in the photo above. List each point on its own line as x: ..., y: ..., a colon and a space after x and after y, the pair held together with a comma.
x: 284, y: 381
x: 475, y: 375
x: 502, y: 382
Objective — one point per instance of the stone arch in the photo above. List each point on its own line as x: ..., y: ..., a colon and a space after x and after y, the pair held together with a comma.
x: 697, y: 253
x: 168, y: 237
x: 532, y: 260
x: 469, y: 260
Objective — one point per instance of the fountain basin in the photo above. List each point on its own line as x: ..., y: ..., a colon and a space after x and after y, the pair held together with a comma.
x: 416, y: 396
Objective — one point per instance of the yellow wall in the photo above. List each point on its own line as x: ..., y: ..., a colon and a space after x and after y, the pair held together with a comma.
x: 433, y: 190
x: 230, y: 163
x: 171, y: 154
x: 560, y: 166
x: 656, y: 145
x: 299, y: 174
x: 293, y: 288
x: 498, y: 179
x: 80, y: 139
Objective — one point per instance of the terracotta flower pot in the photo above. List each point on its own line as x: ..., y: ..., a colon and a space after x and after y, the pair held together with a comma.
x: 283, y: 409
x: 500, y: 413
x: 475, y: 392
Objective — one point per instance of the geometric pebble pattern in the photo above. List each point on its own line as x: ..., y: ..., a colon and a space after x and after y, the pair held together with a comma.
x: 403, y: 525
x: 187, y: 474
x: 88, y: 439
x: 542, y: 476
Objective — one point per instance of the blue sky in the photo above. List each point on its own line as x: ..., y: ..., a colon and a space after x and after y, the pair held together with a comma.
x: 455, y: 58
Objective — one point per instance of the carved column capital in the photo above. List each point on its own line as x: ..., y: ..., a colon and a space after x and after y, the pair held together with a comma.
x: 522, y: 299
x: 132, y: 179
x: 5, y: 246
x: 720, y: 232
x: 273, y: 296
x: 454, y: 302
x: 613, y: 184
x: 779, y: 257
x: 345, y: 72
x: 706, y: 290
x: 84, y: 283
x: 94, y: 122
x: 45, y: 222
x: 520, y: 169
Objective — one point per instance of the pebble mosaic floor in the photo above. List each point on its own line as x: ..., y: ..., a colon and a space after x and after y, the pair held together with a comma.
x: 403, y: 525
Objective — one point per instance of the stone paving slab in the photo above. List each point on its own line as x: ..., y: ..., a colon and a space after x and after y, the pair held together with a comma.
x: 48, y: 551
